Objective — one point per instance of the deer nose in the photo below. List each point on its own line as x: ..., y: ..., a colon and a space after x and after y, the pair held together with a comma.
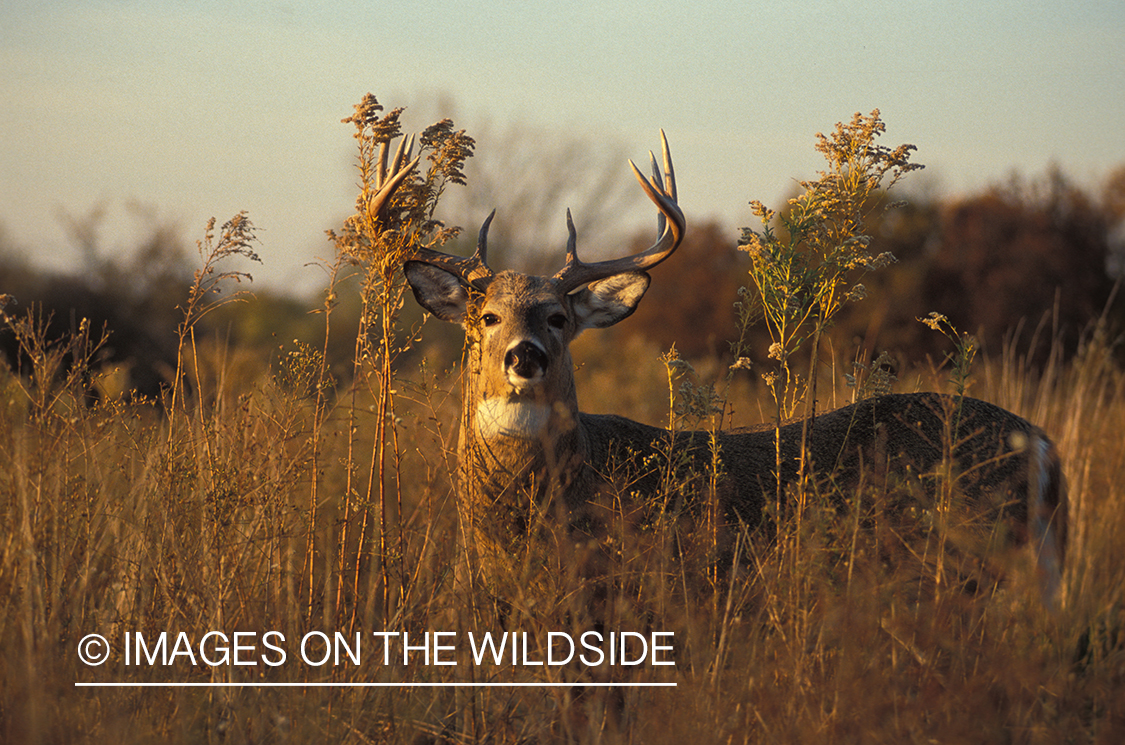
x: 526, y: 360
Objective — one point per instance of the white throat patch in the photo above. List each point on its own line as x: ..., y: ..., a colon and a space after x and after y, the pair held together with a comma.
x: 503, y: 416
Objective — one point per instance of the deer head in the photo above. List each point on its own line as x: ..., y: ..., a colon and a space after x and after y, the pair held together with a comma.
x: 522, y: 378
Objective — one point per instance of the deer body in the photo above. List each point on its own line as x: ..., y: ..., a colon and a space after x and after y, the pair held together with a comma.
x: 534, y: 470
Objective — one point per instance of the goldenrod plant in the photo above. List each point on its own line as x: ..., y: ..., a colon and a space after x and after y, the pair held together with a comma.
x: 394, y: 218
x: 806, y: 261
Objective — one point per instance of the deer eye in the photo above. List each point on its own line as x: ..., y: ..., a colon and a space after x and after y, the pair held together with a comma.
x: 557, y: 320
x: 490, y: 319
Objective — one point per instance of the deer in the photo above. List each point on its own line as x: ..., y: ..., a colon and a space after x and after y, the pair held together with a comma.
x: 528, y: 457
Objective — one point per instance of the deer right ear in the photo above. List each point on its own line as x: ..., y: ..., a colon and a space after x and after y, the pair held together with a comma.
x: 438, y: 291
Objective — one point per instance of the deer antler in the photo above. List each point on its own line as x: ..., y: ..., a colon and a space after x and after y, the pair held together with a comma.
x: 473, y: 270
x: 388, y: 181
x: 661, y: 189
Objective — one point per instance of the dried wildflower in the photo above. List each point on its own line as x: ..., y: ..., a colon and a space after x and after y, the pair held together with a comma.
x: 671, y: 360
x: 879, y: 381
x: 237, y: 235
x: 697, y: 401
x: 806, y: 260
x: 370, y: 125
x: 235, y: 238
x: 934, y: 320
x: 763, y: 212
x: 449, y: 149
x: 884, y: 259
x: 751, y: 243
x: 965, y: 350
x: 405, y: 222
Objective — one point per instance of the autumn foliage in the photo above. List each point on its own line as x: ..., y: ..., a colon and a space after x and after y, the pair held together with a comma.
x: 1027, y: 255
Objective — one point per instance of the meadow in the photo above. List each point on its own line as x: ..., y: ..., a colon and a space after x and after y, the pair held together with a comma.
x: 265, y: 496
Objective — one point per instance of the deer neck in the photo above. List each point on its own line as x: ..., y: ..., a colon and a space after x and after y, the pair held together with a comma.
x: 514, y: 439
x: 519, y: 428
x: 511, y: 417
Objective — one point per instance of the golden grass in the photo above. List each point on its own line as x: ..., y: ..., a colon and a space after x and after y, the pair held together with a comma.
x: 120, y: 519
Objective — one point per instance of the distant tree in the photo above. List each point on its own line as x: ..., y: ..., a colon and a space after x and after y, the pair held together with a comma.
x: 1020, y: 252
x: 691, y: 299
x: 130, y: 293
x: 991, y: 262
x: 1113, y: 202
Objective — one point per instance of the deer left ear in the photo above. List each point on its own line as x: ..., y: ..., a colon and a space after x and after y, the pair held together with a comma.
x: 607, y: 301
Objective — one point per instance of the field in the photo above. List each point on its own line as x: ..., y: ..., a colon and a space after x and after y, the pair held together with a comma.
x: 246, y: 508
x: 271, y: 552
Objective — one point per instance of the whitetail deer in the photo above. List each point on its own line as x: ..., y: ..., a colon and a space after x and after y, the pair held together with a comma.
x: 528, y: 456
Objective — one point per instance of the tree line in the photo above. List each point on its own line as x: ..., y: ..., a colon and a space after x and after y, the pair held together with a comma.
x: 1029, y: 262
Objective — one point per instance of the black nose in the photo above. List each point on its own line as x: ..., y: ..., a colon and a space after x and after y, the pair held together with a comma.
x: 525, y: 360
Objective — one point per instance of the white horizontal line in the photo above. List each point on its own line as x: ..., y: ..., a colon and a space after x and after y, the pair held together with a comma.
x: 373, y: 685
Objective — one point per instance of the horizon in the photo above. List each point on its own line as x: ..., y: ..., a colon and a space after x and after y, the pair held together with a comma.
x: 207, y: 110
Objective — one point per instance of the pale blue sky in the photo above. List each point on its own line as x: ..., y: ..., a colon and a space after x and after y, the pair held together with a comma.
x: 207, y: 108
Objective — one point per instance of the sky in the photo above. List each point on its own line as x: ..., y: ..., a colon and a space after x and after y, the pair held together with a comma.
x: 201, y: 109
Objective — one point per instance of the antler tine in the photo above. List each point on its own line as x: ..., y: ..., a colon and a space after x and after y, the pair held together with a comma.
x: 405, y: 148
x: 481, y: 254
x: 657, y: 178
x: 472, y: 270
x: 571, y: 240
x: 671, y: 226
x: 388, y: 183
x: 381, y: 168
x: 668, y: 178
x: 669, y: 169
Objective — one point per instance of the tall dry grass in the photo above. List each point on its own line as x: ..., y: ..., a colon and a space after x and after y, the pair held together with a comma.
x: 260, y: 495
x: 122, y: 518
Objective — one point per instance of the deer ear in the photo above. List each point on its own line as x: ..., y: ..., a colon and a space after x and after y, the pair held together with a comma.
x: 607, y: 301
x: 438, y: 291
